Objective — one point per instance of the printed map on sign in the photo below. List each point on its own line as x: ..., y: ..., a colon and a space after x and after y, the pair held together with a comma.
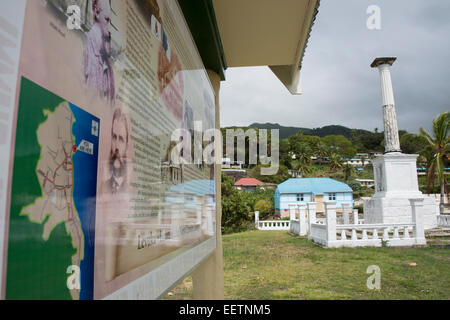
x: 66, y: 171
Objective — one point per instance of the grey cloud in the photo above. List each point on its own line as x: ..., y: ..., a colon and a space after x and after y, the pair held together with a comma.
x: 339, y: 86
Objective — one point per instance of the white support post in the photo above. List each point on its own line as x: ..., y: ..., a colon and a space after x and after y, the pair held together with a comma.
x: 364, y: 234
x: 385, y: 234
x: 405, y: 233
x: 330, y: 212
x: 375, y: 234
x: 292, y: 211
x: 417, y: 217
x: 345, y: 212
x: 302, y: 219
x: 396, y: 236
x: 311, y: 214
x: 355, y: 216
x: 257, y: 219
x: 354, y: 235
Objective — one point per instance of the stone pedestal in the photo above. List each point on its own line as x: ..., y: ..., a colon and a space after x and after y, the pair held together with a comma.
x: 395, y: 183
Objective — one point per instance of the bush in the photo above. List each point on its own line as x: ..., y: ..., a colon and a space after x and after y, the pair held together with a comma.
x: 359, y: 208
x: 238, y: 207
x: 355, y: 185
x: 264, y: 207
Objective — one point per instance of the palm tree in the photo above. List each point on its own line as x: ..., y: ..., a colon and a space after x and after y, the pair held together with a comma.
x: 304, y: 153
x: 363, y: 161
x: 321, y: 151
x: 439, y: 147
x: 427, y: 162
x: 348, y: 170
x: 335, y: 161
x: 302, y: 167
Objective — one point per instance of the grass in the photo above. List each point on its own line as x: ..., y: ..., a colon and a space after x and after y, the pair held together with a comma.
x: 275, y: 265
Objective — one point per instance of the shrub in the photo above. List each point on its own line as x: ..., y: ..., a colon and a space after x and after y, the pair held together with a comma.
x: 264, y: 207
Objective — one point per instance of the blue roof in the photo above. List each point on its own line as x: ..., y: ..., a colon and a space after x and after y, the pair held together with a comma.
x: 312, y: 185
x: 200, y: 187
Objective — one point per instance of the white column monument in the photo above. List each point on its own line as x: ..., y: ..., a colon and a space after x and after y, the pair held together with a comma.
x: 395, y: 173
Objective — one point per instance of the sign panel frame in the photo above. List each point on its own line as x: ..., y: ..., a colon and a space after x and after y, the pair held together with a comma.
x: 123, y: 84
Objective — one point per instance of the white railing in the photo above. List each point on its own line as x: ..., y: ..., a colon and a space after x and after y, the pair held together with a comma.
x: 318, y: 233
x: 273, y: 225
x: 332, y: 235
x: 295, y: 227
x: 299, y: 226
x: 354, y: 233
x: 320, y: 220
x: 437, y: 197
x: 443, y: 220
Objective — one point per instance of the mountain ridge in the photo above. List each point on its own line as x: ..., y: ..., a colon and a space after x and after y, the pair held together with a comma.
x: 287, y: 131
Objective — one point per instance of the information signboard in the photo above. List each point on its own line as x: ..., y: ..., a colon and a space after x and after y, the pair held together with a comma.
x: 98, y: 204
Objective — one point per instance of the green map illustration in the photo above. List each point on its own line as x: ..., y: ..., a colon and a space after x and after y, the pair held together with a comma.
x: 48, y: 227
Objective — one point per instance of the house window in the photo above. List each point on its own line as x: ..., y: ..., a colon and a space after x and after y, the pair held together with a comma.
x: 332, y: 196
x: 299, y: 196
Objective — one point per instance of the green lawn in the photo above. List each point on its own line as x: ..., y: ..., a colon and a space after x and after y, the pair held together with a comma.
x: 276, y: 265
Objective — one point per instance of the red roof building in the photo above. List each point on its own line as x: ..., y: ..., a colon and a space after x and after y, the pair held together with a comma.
x: 250, y: 184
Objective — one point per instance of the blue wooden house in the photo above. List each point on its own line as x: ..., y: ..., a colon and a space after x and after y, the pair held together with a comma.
x: 319, y: 190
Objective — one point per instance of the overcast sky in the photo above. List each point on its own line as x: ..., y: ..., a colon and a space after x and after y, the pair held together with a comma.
x: 339, y: 87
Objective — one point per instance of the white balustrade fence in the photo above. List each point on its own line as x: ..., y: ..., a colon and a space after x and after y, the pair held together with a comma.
x: 299, y: 226
x: 294, y: 227
x: 320, y: 220
x: 273, y: 225
x: 326, y: 231
x: 443, y: 221
x: 361, y: 235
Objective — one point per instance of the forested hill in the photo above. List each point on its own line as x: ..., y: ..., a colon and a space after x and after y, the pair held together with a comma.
x: 286, y: 132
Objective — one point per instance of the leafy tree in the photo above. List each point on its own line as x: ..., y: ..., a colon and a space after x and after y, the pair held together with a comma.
x: 355, y: 185
x: 439, y: 147
x: 264, y: 207
x: 299, y: 141
x: 413, y: 143
x: 235, y: 211
x: 340, y: 145
x: 369, y: 142
x: 282, y: 175
x: 285, y: 157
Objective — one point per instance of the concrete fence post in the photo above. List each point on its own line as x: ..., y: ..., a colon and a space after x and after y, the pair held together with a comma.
x: 355, y: 216
x: 345, y: 212
x: 257, y: 219
x: 417, y: 217
x: 311, y: 214
x: 330, y: 212
x: 302, y: 219
x: 291, y: 211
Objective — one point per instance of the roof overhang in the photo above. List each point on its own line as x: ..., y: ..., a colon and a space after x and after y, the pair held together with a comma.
x: 242, y: 33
